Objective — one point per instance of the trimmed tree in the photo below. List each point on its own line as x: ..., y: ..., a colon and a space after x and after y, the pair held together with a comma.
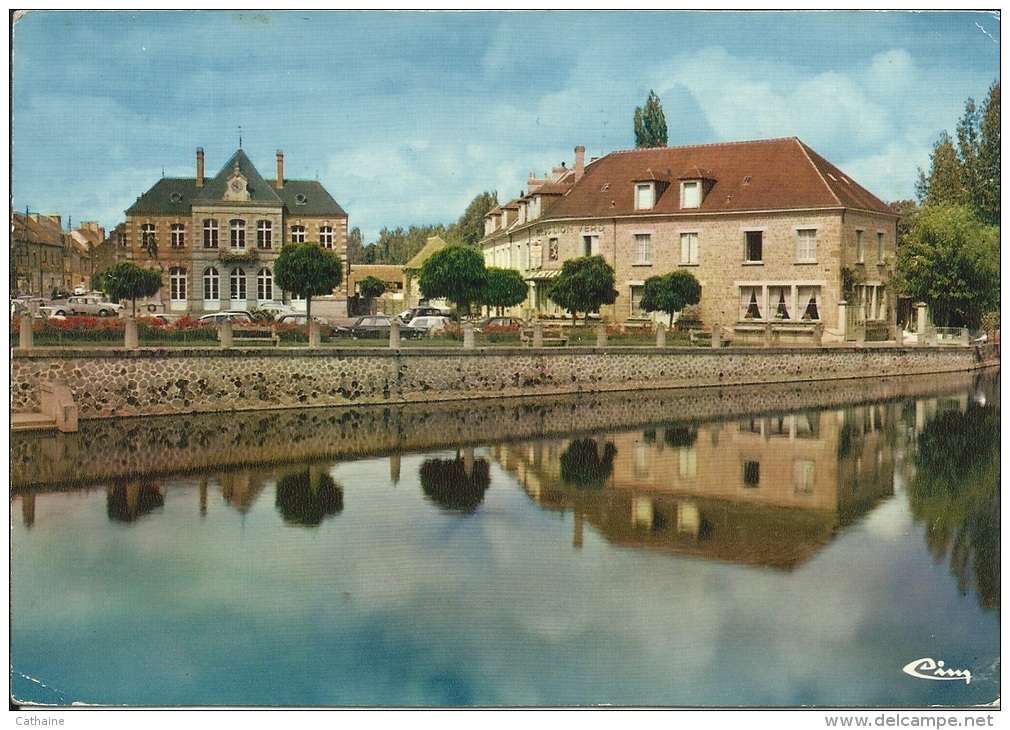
x: 670, y: 292
x: 505, y: 288
x: 951, y: 261
x: 127, y: 280
x: 371, y: 287
x: 456, y: 273
x: 308, y: 270
x: 584, y: 285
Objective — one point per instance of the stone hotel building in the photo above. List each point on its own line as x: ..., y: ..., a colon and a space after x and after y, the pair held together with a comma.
x: 773, y: 232
x: 216, y: 238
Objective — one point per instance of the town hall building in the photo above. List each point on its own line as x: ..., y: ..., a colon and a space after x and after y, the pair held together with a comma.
x: 216, y: 239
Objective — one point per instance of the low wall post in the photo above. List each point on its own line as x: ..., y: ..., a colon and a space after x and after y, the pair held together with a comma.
x: 313, y: 333
x: 468, y: 336
x: 932, y: 337
x: 818, y: 334
x: 25, y: 336
x: 394, y: 335
x: 225, y: 334
x: 601, y: 335
x: 899, y: 335
x: 717, y: 337
x: 921, y: 314
x: 660, y: 335
x: 538, y: 335
x: 964, y: 336
x: 860, y: 334
x: 131, y: 336
x: 768, y: 335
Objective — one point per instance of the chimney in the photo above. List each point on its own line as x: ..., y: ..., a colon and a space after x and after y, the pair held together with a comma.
x: 280, y: 169
x: 580, y: 162
x: 199, y: 167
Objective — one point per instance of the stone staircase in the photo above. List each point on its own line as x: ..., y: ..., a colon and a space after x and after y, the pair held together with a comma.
x: 59, y: 412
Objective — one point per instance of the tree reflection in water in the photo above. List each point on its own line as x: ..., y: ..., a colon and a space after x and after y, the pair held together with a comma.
x: 456, y: 485
x: 130, y: 502
x: 587, y: 464
x: 955, y: 492
x: 305, y: 498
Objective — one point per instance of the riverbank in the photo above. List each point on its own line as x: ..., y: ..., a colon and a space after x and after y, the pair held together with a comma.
x: 116, y: 383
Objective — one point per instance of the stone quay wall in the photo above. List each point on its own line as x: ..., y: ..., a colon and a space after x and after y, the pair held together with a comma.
x: 114, y: 383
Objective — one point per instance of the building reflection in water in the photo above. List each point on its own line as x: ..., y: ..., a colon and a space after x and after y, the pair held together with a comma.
x: 767, y: 490
x: 133, y: 500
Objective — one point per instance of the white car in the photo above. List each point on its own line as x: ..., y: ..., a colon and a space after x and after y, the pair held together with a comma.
x: 86, y: 305
x: 425, y: 325
x: 235, y: 316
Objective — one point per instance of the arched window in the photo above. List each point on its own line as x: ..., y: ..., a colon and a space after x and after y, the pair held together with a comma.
x: 264, y: 285
x: 237, y: 233
x: 238, y: 290
x: 211, y: 284
x: 177, y: 283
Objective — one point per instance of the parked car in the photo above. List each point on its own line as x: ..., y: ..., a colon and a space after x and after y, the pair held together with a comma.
x: 235, y: 316
x: 370, y: 326
x: 90, y: 305
x: 424, y: 326
x: 298, y: 318
x: 499, y: 322
x: 161, y: 318
x: 408, y: 315
x: 276, y: 309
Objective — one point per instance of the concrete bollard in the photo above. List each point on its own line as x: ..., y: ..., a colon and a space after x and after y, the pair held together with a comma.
x: 225, y: 334
x: 601, y: 335
x: 394, y: 335
x: 818, y: 334
x: 964, y: 336
x: 717, y: 337
x: 25, y: 341
x: 660, y: 336
x: 861, y: 335
x: 468, y: 336
x: 538, y: 335
x: 932, y: 337
x: 768, y: 335
x: 899, y: 335
x: 132, y: 337
x: 314, y: 338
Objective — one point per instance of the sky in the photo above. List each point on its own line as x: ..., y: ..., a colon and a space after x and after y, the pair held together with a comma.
x: 405, y: 117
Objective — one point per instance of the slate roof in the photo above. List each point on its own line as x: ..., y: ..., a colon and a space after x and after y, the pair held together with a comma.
x: 774, y: 174
x: 171, y: 196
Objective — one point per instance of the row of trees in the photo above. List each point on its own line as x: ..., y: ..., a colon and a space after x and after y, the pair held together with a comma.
x: 948, y: 253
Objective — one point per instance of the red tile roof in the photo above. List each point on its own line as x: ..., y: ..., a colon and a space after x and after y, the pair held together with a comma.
x: 774, y: 174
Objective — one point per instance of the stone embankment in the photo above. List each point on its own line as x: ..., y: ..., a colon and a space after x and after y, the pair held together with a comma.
x: 113, y: 383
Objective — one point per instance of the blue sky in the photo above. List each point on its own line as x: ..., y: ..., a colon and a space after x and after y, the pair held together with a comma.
x: 405, y: 117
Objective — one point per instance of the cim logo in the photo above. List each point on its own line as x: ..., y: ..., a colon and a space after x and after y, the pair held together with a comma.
x: 932, y: 669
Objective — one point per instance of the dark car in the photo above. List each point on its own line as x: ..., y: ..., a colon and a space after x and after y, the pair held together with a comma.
x: 371, y: 326
x: 492, y: 322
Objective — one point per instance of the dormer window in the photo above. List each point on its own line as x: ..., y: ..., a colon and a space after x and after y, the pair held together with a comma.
x: 690, y: 194
x: 645, y: 196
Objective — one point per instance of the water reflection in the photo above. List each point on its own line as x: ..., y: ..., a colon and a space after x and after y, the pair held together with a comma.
x: 656, y: 559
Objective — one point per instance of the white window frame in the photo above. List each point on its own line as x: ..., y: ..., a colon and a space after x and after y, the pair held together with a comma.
x: 690, y: 194
x: 148, y: 235
x: 297, y: 234
x: 264, y: 234
x: 645, y: 196
x: 806, y: 246
x: 177, y: 283
x: 881, y: 247
x: 860, y: 247
x: 689, y: 256
x: 236, y: 237
x: 211, y: 233
x: 640, y: 238
x: 178, y: 234
x: 237, y: 284
x: 211, y: 284
x: 264, y: 285
x: 326, y: 236
x: 593, y: 249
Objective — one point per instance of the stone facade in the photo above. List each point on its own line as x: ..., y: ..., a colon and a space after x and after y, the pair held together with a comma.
x: 109, y: 383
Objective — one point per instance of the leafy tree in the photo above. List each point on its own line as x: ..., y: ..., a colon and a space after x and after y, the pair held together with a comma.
x: 308, y: 270
x: 456, y: 273
x: 950, y: 260
x: 650, y: 124
x: 355, y: 247
x: 371, y: 287
x: 670, y: 292
x: 127, y: 280
x: 584, y: 285
x: 908, y: 210
x: 966, y: 171
x: 505, y: 288
x: 469, y: 229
